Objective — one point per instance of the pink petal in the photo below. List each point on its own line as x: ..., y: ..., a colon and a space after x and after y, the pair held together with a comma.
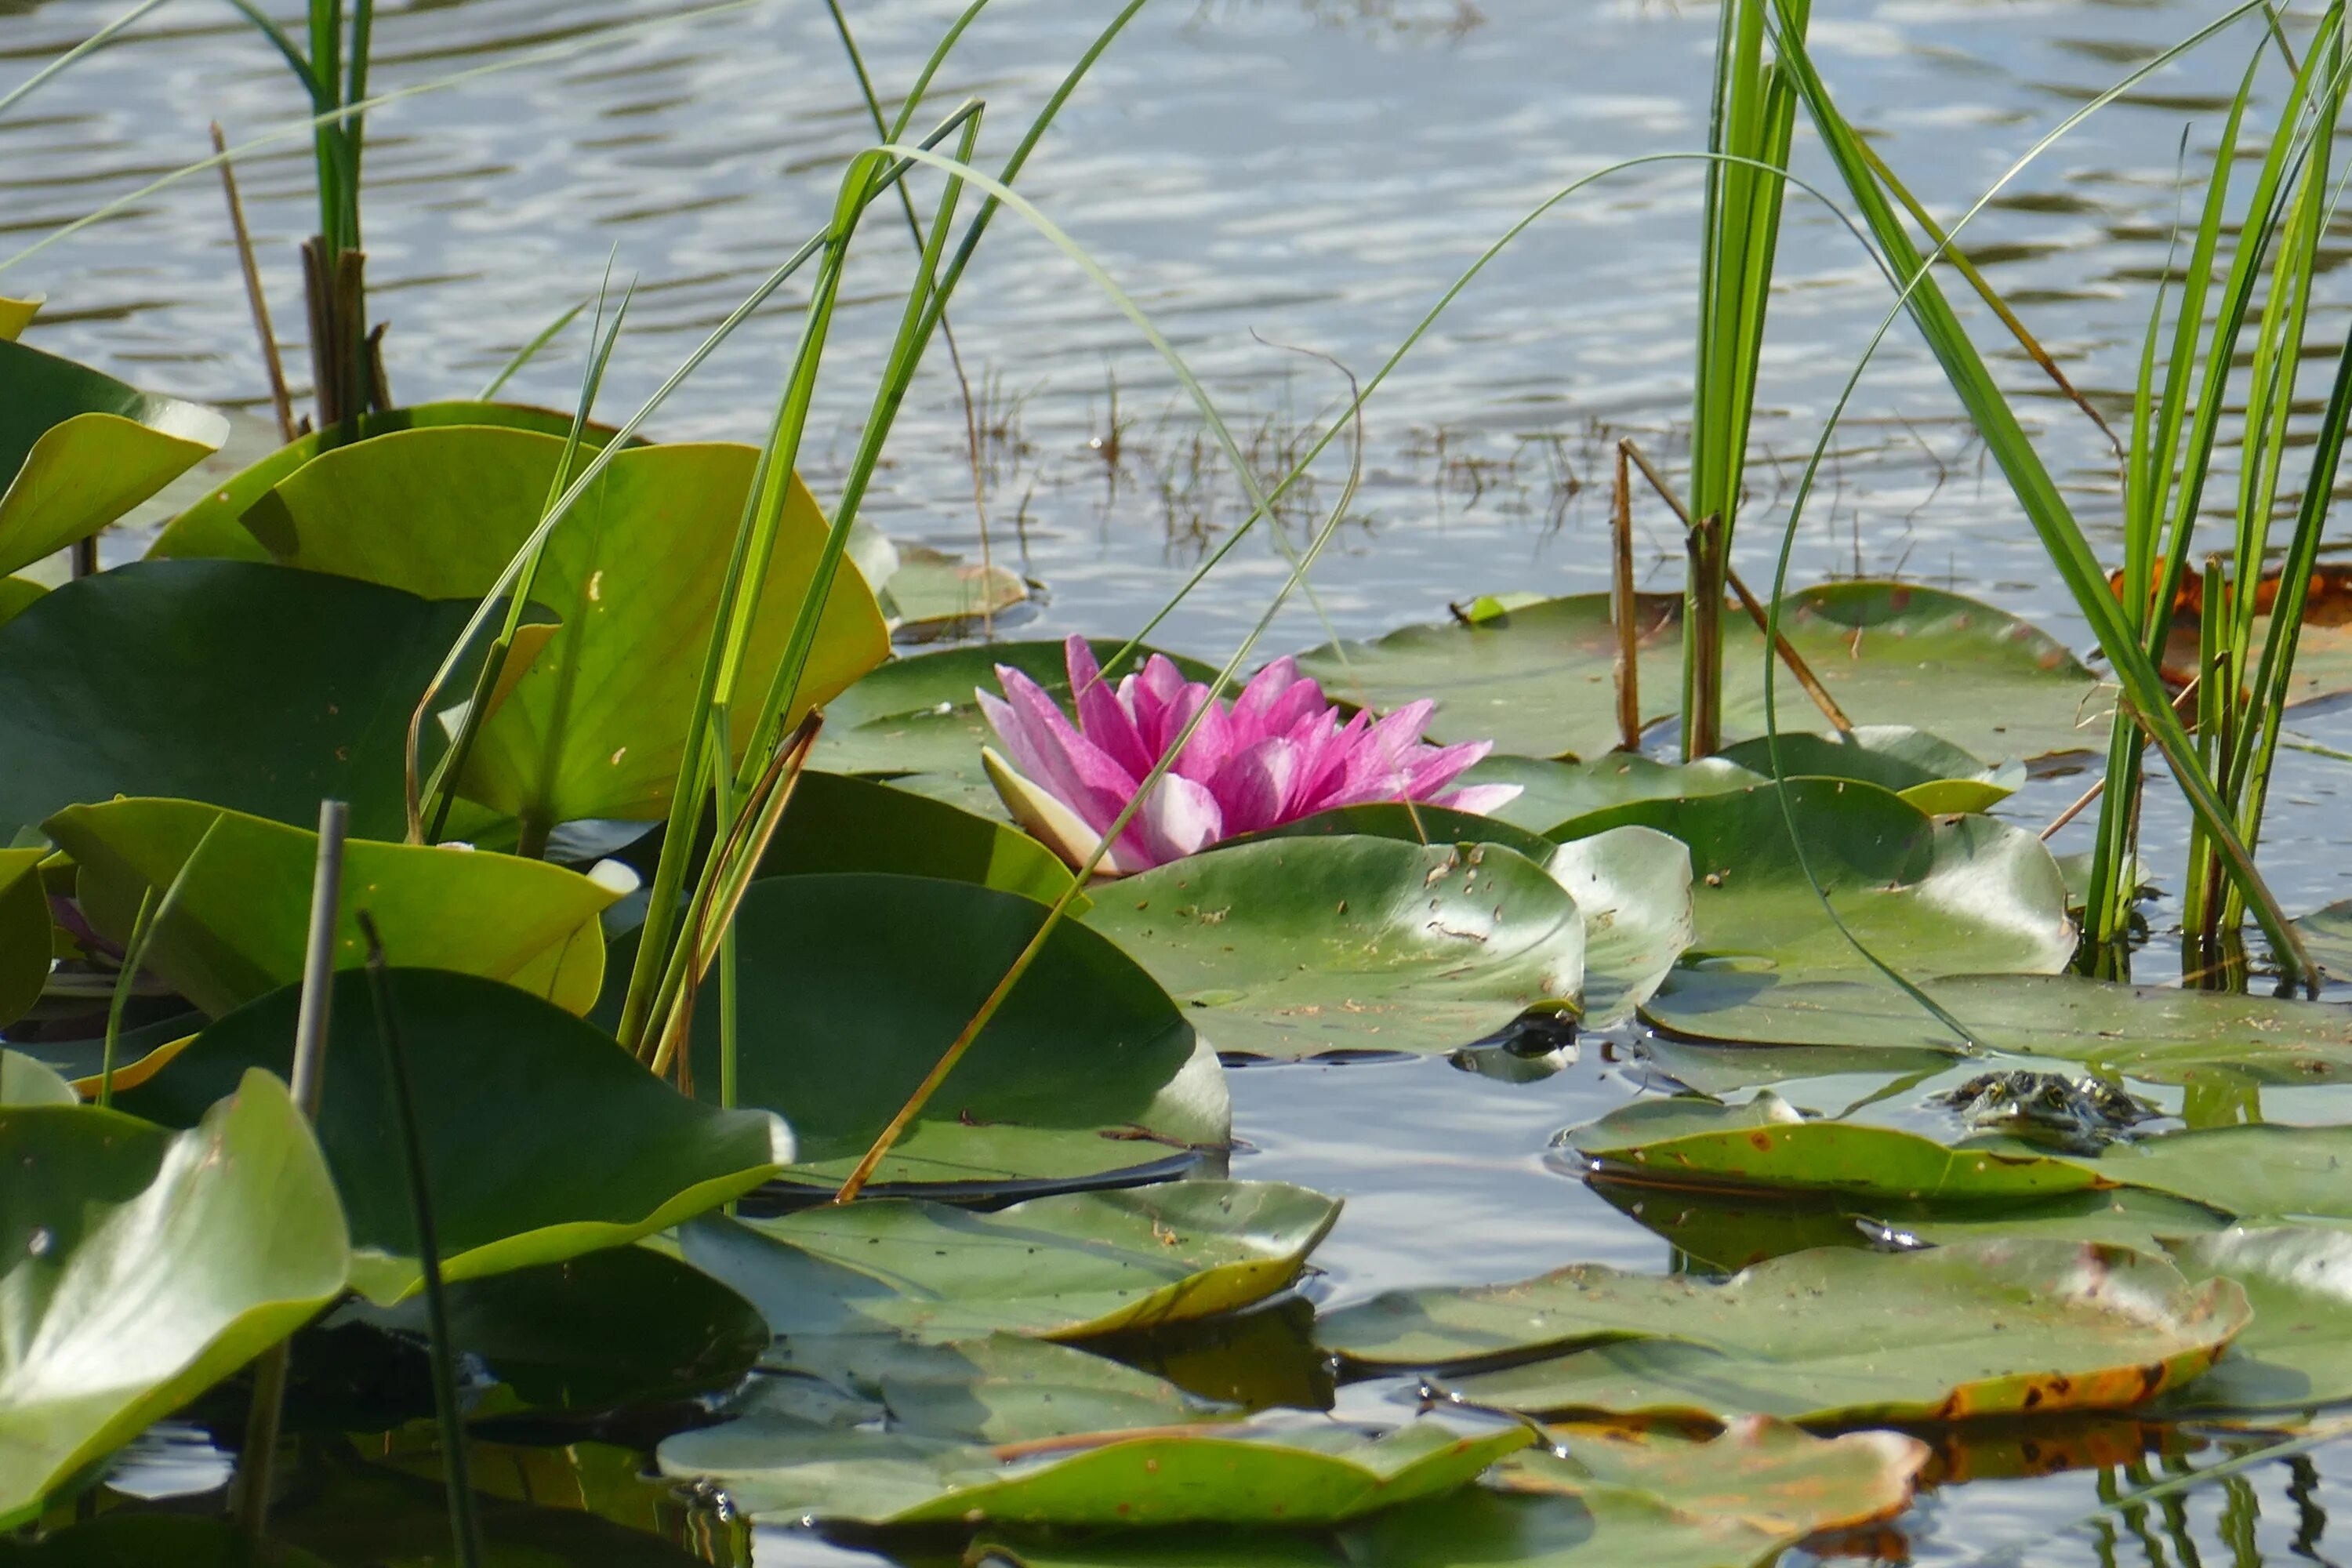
x: 1102, y: 718
x: 1252, y: 790
x: 1049, y: 750
x: 1180, y: 817
x: 1438, y: 766
x: 1479, y: 800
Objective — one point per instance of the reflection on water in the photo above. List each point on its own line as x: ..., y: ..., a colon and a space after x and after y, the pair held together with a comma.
x: 1265, y: 176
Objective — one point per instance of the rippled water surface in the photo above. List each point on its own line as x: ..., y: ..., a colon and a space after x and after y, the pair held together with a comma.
x: 1265, y: 177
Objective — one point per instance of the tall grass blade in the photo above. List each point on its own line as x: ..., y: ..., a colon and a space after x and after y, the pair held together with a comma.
x: 88, y: 47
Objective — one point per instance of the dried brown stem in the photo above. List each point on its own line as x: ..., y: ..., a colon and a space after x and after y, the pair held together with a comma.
x: 272, y: 365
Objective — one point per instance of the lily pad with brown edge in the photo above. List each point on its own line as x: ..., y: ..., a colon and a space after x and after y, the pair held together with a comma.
x: 2153, y: 1034
x: 853, y: 984
x: 78, y: 448
x: 1297, y: 947
x: 1068, y: 1266
x: 1766, y: 1144
x: 237, y: 929
x: 511, y: 1094
x: 915, y: 720
x: 1297, y: 1471
x: 596, y: 724
x: 1830, y: 1335
x: 1929, y: 897
x: 1538, y: 679
x: 213, y: 526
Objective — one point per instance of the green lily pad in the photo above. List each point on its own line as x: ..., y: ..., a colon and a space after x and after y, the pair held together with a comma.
x: 24, y: 932
x: 510, y: 1091
x: 1540, y: 680
x: 139, y: 1052
x: 78, y: 448
x: 2153, y: 1034
x: 2328, y: 934
x: 916, y: 716
x: 624, y: 1326
x: 2264, y: 1169
x: 1980, y: 1329
x: 2297, y: 1352
x: 16, y: 593
x: 595, y: 726
x: 214, y: 527
x: 999, y: 1388
x: 237, y: 931
x: 1927, y: 770
x: 26, y: 1081
x: 1552, y: 793
x: 255, y: 687
x: 1072, y: 1265
x: 931, y: 595
x: 838, y: 822
x: 143, y: 1267
x: 853, y: 984
x: 1931, y: 898
x: 1301, y: 1472
x: 1766, y: 1143
x: 1294, y: 947
x: 16, y: 315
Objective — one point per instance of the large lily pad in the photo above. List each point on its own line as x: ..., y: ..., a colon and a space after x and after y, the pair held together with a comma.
x: 1072, y: 1265
x: 237, y: 931
x: 255, y: 687
x: 596, y: 726
x: 853, y: 984
x: 1766, y: 1143
x: 2264, y: 1169
x: 2154, y: 1034
x: 78, y: 448
x: 1834, y: 1334
x: 1552, y: 793
x: 510, y: 1092
x: 916, y: 718
x: 1294, y: 947
x: 1927, y: 770
x: 838, y: 822
x: 143, y: 1267
x: 2297, y: 1352
x: 1931, y: 898
x: 1538, y: 681
x: 1292, y: 1472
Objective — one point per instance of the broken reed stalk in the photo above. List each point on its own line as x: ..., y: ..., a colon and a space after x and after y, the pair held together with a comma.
x: 260, y: 1452
x: 465, y: 1533
x: 1703, y: 725
x: 346, y: 363
x: 1621, y: 606
x: 272, y: 364
x: 1795, y: 661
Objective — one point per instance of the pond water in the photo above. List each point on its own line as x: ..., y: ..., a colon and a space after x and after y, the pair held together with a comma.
x: 1265, y: 176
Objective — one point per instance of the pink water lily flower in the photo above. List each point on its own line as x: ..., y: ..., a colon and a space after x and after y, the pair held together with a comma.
x: 1279, y: 752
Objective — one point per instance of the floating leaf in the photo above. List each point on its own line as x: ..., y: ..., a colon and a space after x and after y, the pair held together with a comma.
x: 24, y: 932
x: 1540, y: 680
x: 255, y: 687
x: 596, y: 726
x: 2297, y: 1352
x: 141, y: 1268
x: 1927, y: 770
x: 1072, y: 1265
x: 78, y: 448
x: 1984, y: 1328
x: 1552, y: 793
x: 2153, y: 1034
x: 2264, y: 1169
x: 1766, y: 1143
x: 1294, y: 947
x: 510, y: 1091
x: 852, y: 985
x: 139, y: 1051
x: 238, y: 928
x: 837, y: 822
x: 931, y: 595
x: 24, y: 1082
x: 916, y: 716
x: 215, y: 527
x: 1292, y: 1472
x: 2327, y: 933
x: 606, y: 1329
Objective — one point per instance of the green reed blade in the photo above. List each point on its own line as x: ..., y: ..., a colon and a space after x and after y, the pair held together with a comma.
x: 87, y: 47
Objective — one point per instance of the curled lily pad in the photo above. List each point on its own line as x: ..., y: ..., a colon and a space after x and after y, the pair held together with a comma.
x: 143, y: 1267
x: 838, y: 822
x: 1538, y: 679
x: 78, y: 448
x: 1297, y: 1472
x: 237, y: 932
x: 915, y: 719
x: 16, y: 315
x: 1072, y: 1265
x: 2297, y: 1352
x: 1294, y: 947
x: 1927, y: 770
x: 510, y: 1091
x: 1834, y: 1334
x: 255, y: 687
x: 594, y: 727
x: 1768, y: 1144
x: 852, y: 986
x: 214, y: 527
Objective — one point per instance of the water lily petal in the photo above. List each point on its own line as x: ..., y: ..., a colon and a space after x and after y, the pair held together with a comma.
x: 1252, y: 789
x: 1438, y: 766
x: 1478, y: 800
x: 1102, y: 717
x: 1180, y: 817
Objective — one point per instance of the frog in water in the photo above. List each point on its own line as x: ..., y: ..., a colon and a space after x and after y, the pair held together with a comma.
x: 2075, y: 1116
